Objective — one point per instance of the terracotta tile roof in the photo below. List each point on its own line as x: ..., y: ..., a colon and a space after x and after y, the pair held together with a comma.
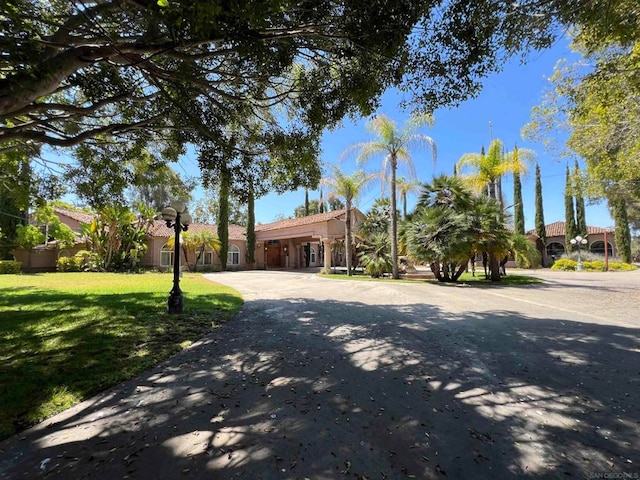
x: 159, y: 229
x: 81, y: 217
x: 296, y: 222
x: 556, y: 229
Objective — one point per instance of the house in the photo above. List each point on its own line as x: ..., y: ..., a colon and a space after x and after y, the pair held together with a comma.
x: 278, y: 245
x: 555, y: 245
x: 44, y: 257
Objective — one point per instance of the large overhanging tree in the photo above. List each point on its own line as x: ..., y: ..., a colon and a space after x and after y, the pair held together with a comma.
x: 73, y: 71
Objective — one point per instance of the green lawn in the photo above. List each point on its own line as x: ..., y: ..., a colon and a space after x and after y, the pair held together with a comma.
x: 67, y: 336
x: 478, y: 280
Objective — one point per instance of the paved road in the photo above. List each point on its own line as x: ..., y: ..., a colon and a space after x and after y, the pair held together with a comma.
x: 321, y: 378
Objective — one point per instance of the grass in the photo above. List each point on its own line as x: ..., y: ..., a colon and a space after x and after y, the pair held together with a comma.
x: 467, y: 278
x: 67, y: 336
x: 509, y: 279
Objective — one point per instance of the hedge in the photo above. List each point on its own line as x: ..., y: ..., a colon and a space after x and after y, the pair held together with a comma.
x: 567, y: 264
x: 9, y: 266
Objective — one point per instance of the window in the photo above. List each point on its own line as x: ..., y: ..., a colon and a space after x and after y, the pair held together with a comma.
x: 233, y: 255
x: 166, y: 256
x: 312, y: 255
x: 555, y: 249
x: 64, y: 253
x: 598, y: 248
x: 206, y: 258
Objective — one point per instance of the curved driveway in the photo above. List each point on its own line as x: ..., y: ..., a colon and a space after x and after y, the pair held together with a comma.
x: 321, y: 378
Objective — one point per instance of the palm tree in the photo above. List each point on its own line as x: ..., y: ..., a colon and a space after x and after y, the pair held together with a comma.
x: 394, y: 144
x: 195, y: 244
x: 487, y: 170
x: 349, y: 187
x: 405, y: 187
x: 374, y: 254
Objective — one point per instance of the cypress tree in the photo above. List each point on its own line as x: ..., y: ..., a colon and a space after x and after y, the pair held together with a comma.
x: 306, y: 202
x: 622, y: 233
x: 518, y: 215
x: 251, y: 225
x: 321, y: 209
x: 569, y: 212
x: 223, y: 216
x: 541, y: 231
x: 581, y: 219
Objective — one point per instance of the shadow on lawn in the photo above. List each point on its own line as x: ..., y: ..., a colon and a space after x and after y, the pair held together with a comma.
x: 305, y: 389
x: 60, y: 347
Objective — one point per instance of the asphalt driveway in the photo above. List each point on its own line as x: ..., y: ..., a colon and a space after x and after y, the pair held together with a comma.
x: 321, y: 378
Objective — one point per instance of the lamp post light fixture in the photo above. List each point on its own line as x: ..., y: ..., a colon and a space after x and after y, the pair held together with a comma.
x: 579, y: 241
x: 179, y: 219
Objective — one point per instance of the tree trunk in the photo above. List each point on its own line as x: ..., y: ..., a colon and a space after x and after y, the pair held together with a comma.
x: 404, y: 205
x: 251, y: 225
x: 394, y: 220
x: 347, y: 240
x: 494, y: 267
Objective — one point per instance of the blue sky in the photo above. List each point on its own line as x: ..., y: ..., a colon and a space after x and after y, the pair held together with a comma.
x: 505, y: 101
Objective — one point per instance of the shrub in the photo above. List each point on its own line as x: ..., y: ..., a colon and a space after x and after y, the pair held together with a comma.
x: 564, y: 264
x: 69, y: 264
x: 89, y: 261
x: 593, y: 266
x: 83, y: 261
x: 9, y: 266
x: 620, y: 266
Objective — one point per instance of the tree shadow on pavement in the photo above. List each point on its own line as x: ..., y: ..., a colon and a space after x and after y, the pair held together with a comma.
x: 323, y: 389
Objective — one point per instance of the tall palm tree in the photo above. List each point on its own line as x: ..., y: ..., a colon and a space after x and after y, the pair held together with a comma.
x: 405, y: 187
x: 394, y: 144
x: 349, y: 187
x: 487, y: 170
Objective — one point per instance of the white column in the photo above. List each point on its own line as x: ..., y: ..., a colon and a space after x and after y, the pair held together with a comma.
x: 326, y: 244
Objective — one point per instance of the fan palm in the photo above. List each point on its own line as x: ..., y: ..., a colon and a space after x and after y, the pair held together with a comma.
x: 486, y: 172
x: 394, y: 144
x: 374, y: 254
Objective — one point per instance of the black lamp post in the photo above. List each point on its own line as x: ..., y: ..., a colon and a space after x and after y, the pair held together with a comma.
x: 177, y: 217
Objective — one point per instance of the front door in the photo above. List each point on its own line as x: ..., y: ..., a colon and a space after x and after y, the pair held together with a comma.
x: 273, y: 255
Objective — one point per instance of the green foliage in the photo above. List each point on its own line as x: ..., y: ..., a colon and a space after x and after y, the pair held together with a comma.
x: 9, y: 267
x: 393, y: 145
x: 621, y: 266
x: 118, y: 238
x: 69, y: 336
x: 83, y: 261
x: 377, y: 220
x: 524, y: 250
x: 622, y: 232
x: 29, y: 236
x: 568, y: 265
x: 570, y: 230
x: 593, y: 102
x: 69, y: 264
x: 349, y: 187
x: 194, y: 245
x: 312, y: 207
x: 374, y: 254
x: 565, y: 264
x: 581, y: 218
x: 540, y: 228
x: 450, y: 224
x: 518, y: 207
x: 15, y: 192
